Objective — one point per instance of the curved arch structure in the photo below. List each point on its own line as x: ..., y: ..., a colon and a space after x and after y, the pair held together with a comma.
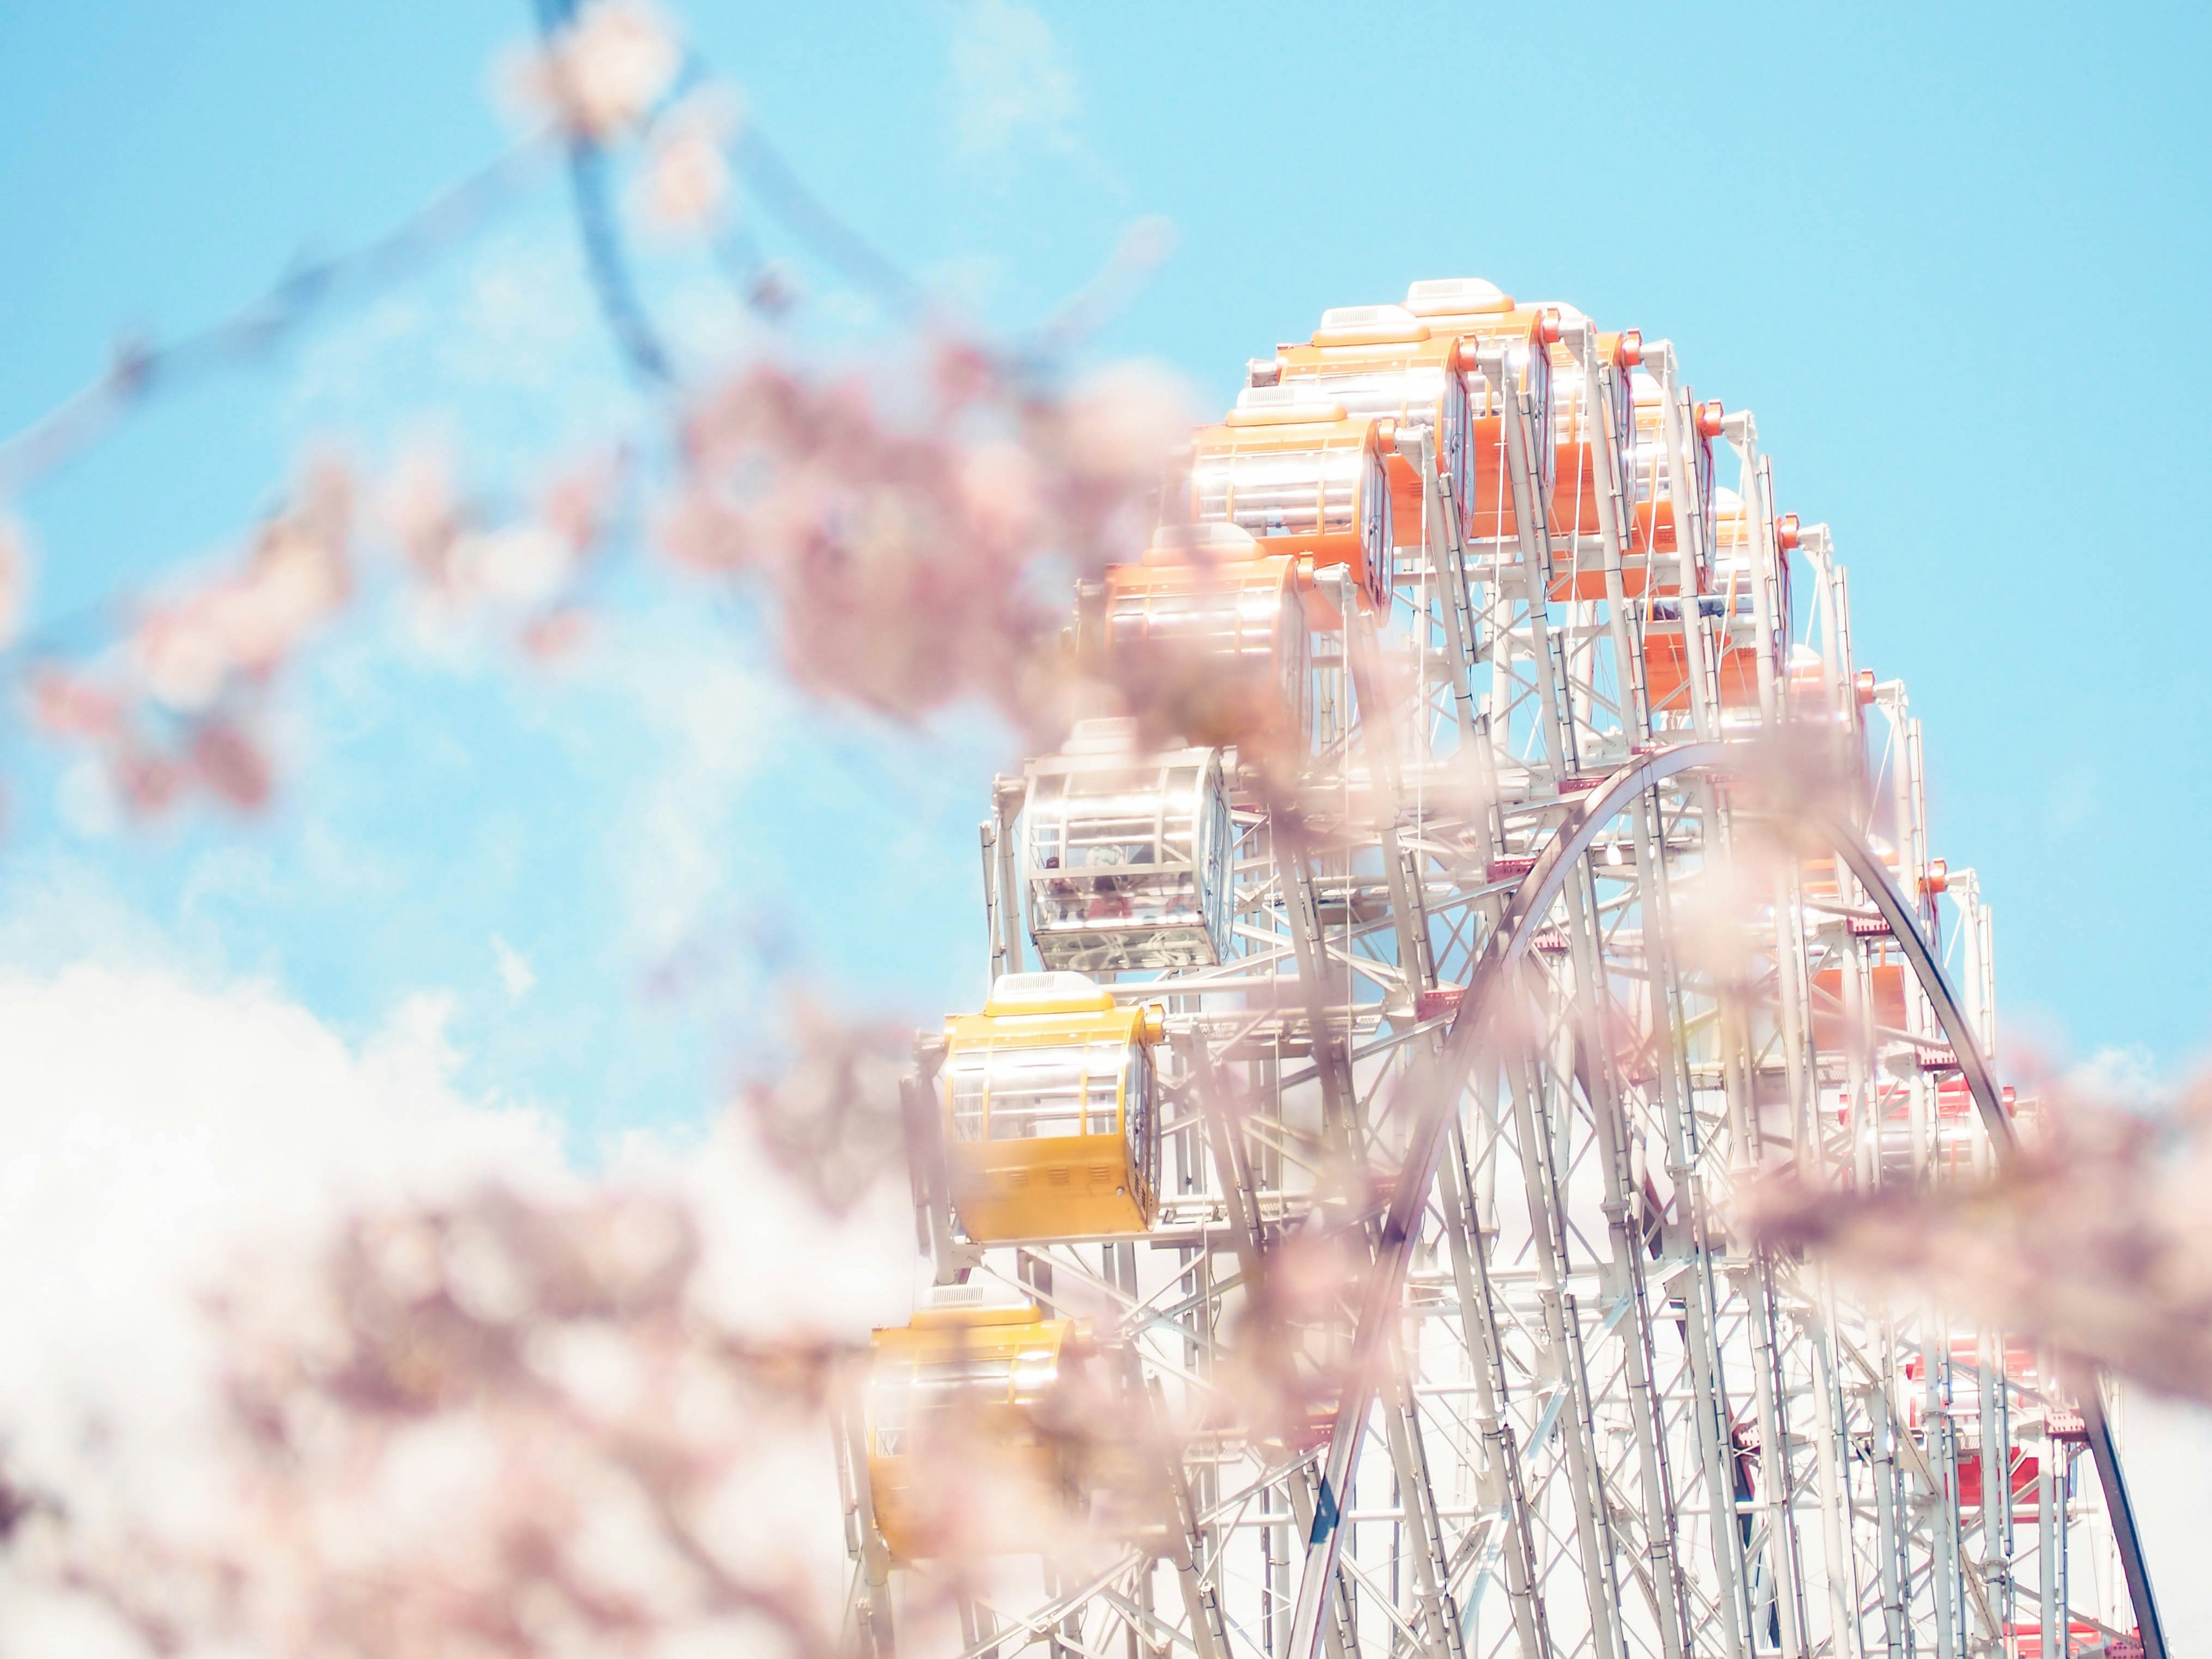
x: 1440, y: 1086
x: 1442, y: 1082
x: 1996, y: 1122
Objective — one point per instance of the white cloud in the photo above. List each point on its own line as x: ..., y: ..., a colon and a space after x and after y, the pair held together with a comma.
x: 2126, y: 1077
x: 715, y: 717
x: 151, y: 1131
x: 155, y: 1134
x: 515, y: 972
x: 2167, y: 1448
x: 837, y: 1278
x: 1009, y: 79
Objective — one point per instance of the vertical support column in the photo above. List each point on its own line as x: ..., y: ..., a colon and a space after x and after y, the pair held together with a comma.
x: 2050, y: 1530
x: 977, y: 1626
x: 1006, y: 796
x: 1409, y: 1458
x: 1379, y: 739
x: 1563, y: 1333
x: 1600, y: 1086
x: 1693, y: 548
x: 1486, y: 1358
x: 1889, y: 1521
x: 1275, y: 1586
x: 1446, y: 556
x: 994, y: 901
x: 1615, y: 516
x: 1338, y: 1641
x: 1863, y: 1104
x: 878, y: 1636
x: 1739, y: 1072
x: 1201, y: 1605
x: 1794, y: 982
x: 1304, y: 915
x: 1846, y: 1640
x: 1775, y: 1473
x: 1532, y: 516
x: 1946, y: 1561
x: 2064, y: 1522
x: 1709, y: 1412
x: 1766, y: 580
x: 1996, y: 1473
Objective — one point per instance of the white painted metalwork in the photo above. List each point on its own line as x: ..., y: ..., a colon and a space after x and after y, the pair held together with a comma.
x: 1608, y: 890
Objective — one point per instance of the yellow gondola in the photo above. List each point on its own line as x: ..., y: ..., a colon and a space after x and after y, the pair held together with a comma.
x: 956, y: 1441
x: 1051, y: 1111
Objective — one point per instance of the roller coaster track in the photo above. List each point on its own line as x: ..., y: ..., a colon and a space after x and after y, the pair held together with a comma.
x: 1590, y: 884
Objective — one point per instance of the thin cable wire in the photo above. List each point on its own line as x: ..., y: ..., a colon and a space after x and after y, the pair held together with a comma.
x: 139, y: 372
x: 808, y: 215
x: 640, y: 342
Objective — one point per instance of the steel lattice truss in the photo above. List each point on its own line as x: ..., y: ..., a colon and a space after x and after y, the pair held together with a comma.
x: 1530, y: 974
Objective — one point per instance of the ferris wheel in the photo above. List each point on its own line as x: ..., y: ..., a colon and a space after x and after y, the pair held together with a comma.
x: 1496, y: 861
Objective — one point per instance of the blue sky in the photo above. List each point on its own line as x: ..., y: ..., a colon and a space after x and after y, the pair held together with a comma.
x: 1940, y: 258
x: 1945, y: 259
x: 1955, y: 263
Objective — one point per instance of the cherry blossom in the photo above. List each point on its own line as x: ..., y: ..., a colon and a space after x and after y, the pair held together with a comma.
x: 605, y: 70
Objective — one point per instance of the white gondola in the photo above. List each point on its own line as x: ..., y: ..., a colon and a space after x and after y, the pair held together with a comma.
x: 1126, y: 855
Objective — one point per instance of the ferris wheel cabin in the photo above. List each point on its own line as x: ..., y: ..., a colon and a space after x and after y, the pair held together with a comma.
x: 1488, y: 323
x: 1658, y: 526
x: 955, y: 1394
x: 1215, y: 611
x: 1126, y: 855
x: 1300, y: 476
x: 1384, y: 363
x: 1051, y: 1111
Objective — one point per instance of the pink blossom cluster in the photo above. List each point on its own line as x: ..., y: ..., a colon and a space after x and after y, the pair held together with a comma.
x: 519, y: 571
x: 181, y: 709
x: 498, y: 1426
x: 2092, y: 1240
x: 601, y: 74
x: 684, y: 184
x: 832, y: 1121
x: 177, y: 711
x: 913, y: 564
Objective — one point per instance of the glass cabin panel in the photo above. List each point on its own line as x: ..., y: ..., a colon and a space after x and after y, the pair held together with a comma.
x: 1408, y: 394
x: 1427, y: 397
x: 1038, y: 1093
x: 1254, y: 628
x: 1121, y: 872
x: 1139, y: 1126
x: 1335, y: 494
x: 1662, y: 522
x: 1526, y: 370
x: 950, y: 1397
x: 1313, y: 492
x: 914, y: 1403
x: 1236, y: 631
x: 1102, y: 1087
x: 1054, y: 1160
x: 1293, y: 660
x: 968, y: 1080
x: 1217, y: 857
